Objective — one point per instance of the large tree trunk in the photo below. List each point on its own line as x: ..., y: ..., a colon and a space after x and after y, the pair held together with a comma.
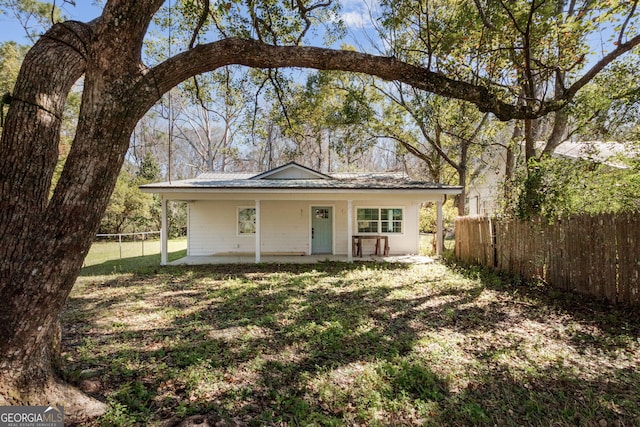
x: 44, y: 241
x: 510, y: 159
x: 41, y: 252
x: 558, y: 133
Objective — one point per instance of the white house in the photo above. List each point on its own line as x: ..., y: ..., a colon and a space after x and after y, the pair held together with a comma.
x: 294, y: 210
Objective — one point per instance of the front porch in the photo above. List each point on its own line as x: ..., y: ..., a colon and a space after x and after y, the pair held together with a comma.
x: 284, y: 231
x: 297, y: 259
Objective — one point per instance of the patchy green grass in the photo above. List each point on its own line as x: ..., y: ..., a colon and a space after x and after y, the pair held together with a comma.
x: 427, y: 244
x: 113, y: 257
x: 338, y: 344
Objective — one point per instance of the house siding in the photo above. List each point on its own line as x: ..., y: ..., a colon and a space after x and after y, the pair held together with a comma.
x: 285, y: 227
x: 214, y: 228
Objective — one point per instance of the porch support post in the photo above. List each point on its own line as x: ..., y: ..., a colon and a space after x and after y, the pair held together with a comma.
x: 439, y: 228
x: 164, y: 234
x: 349, y: 231
x: 257, y: 231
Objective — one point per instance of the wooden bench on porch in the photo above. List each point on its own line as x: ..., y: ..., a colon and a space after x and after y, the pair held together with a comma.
x: 356, y: 244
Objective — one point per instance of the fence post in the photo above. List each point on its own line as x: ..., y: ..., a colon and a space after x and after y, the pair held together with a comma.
x: 492, y: 244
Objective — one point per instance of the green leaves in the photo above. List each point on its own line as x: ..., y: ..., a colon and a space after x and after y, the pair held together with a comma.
x: 11, y: 55
x: 129, y: 209
x: 272, y: 21
x: 609, y: 107
x: 34, y: 16
x: 503, y: 45
x: 557, y: 186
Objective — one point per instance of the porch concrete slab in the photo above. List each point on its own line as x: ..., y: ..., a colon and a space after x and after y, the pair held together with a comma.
x: 297, y: 259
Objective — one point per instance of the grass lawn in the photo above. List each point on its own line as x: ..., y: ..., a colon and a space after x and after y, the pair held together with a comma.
x: 112, y: 257
x: 427, y: 247
x: 338, y: 344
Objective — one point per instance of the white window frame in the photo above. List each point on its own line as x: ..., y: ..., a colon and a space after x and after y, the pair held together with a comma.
x: 238, y: 210
x: 379, y: 221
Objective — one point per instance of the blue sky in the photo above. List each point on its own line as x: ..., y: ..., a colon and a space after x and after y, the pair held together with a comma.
x: 355, y: 15
x: 11, y: 29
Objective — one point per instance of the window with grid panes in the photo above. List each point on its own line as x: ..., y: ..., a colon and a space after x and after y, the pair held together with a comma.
x: 379, y: 220
x: 391, y: 220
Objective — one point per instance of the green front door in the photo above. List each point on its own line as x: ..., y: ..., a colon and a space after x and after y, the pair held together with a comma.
x: 321, y: 230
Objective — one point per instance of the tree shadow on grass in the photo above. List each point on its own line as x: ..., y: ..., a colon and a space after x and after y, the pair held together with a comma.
x: 608, y: 327
x: 548, y: 396
x: 293, y: 322
x: 128, y: 265
x: 330, y: 344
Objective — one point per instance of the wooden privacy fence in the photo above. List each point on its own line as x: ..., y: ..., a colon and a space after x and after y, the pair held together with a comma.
x: 596, y: 255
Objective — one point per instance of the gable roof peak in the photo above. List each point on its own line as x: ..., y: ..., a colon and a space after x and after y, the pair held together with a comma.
x: 291, y: 170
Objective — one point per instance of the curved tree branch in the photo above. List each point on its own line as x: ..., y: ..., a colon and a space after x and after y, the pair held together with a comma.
x: 483, y: 16
x: 253, y: 53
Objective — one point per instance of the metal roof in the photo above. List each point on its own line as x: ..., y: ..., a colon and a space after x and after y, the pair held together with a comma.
x: 606, y: 152
x: 338, y: 181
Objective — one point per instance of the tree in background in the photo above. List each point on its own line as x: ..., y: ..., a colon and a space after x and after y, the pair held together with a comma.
x: 34, y: 16
x: 209, y: 108
x: 350, y: 115
x: 327, y: 122
x: 11, y: 56
x: 607, y: 109
x: 442, y: 133
x: 129, y: 210
x: 529, y: 51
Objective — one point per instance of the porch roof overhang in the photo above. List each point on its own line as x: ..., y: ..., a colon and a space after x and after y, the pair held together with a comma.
x: 293, y: 179
x: 302, y: 186
x: 297, y: 193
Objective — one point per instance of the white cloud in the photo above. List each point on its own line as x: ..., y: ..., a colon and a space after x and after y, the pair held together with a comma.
x: 355, y: 19
x: 358, y: 13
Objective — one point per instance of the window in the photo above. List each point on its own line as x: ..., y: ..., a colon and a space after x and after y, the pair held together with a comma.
x: 321, y: 213
x: 368, y: 220
x: 379, y: 220
x: 246, y: 221
x: 391, y: 220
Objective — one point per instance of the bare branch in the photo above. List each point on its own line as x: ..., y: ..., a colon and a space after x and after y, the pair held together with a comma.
x: 279, y: 93
x: 201, y: 21
x: 304, y: 13
x: 255, y: 20
x: 512, y: 17
x: 621, y: 49
x: 483, y: 16
x: 626, y: 21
